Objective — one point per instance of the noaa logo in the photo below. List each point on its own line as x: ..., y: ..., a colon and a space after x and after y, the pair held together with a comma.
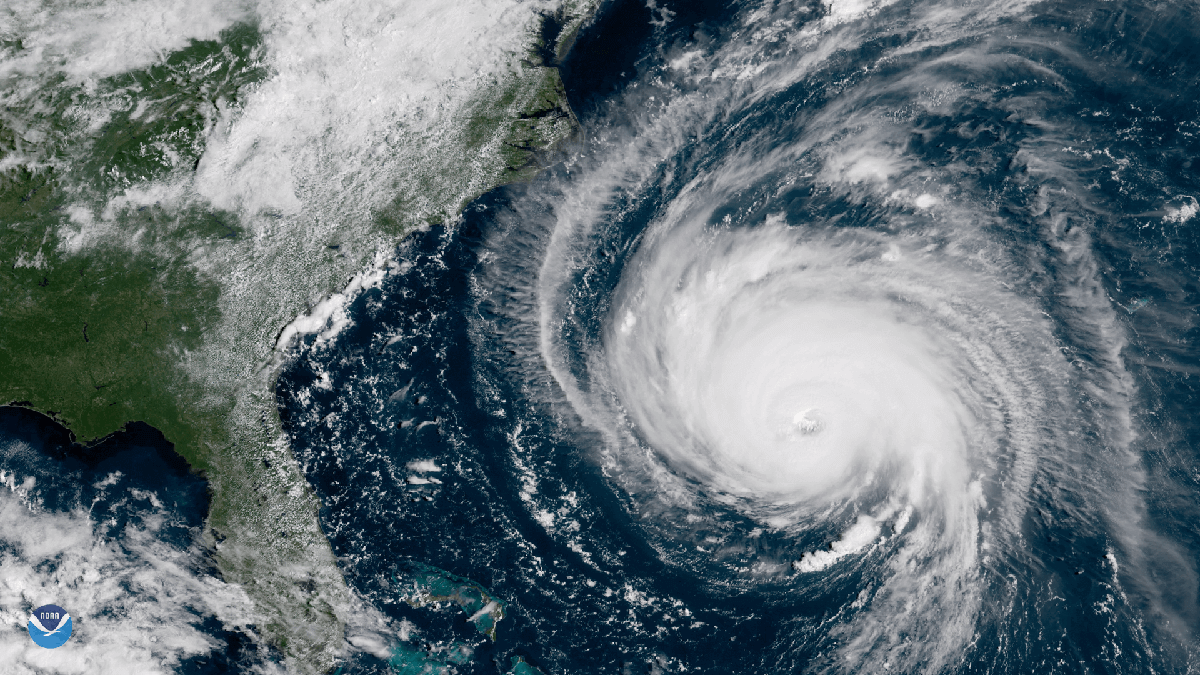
x: 50, y: 626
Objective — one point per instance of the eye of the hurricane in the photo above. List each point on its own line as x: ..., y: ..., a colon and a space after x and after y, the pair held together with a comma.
x: 775, y: 370
x: 808, y: 422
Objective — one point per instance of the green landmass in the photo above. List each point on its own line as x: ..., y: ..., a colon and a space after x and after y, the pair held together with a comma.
x: 122, y: 305
x: 94, y: 336
x: 543, y: 119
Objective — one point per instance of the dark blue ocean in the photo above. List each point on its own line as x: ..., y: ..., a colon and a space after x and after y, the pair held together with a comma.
x: 966, y: 231
x: 845, y: 337
x: 112, y: 531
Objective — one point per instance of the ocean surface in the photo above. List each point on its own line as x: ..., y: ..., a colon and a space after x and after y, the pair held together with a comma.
x: 112, y: 531
x: 848, y: 338
x: 852, y: 337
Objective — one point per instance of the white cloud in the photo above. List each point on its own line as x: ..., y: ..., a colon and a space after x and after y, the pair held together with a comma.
x: 99, y: 38
x: 859, y: 536
x: 135, y: 600
x: 362, y: 94
x: 1183, y: 212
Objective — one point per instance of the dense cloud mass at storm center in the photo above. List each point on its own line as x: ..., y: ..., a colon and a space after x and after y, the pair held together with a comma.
x: 843, y: 336
x: 810, y: 376
x: 830, y: 304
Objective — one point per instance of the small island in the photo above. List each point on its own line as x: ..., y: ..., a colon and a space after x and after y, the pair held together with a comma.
x: 434, y: 586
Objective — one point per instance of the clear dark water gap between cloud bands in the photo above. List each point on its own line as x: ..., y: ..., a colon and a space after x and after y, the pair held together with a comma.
x: 844, y: 337
x: 853, y: 338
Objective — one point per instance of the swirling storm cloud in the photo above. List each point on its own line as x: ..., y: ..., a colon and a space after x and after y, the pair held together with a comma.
x: 849, y: 338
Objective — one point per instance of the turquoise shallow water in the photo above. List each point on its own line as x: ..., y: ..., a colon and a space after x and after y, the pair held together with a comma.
x: 850, y: 338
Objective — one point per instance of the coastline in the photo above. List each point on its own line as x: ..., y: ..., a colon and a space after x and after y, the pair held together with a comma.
x: 219, y: 376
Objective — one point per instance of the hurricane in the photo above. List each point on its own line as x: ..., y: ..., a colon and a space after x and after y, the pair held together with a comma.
x: 847, y: 337
x: 803, y: 382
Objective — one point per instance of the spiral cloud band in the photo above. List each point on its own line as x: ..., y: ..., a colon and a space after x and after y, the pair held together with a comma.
x: 807, y: 377
x: 776, y: 368
x: 871, y: 400
x: 806, y: 358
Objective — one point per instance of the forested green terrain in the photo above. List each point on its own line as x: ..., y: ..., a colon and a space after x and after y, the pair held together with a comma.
x: 128, y: 295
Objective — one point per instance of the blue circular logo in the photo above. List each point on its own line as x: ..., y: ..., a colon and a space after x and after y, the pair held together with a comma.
x: 50, y: 626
